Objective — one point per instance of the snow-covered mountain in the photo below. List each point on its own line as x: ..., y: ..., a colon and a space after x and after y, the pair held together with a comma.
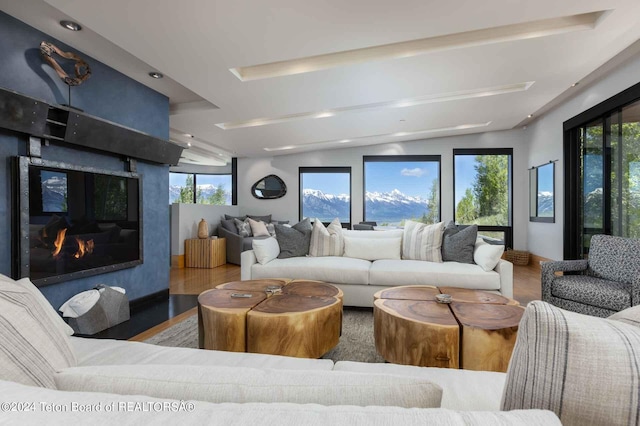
x: 54, y: 191
x: 207, y: 190
x: 382, y: 207
x: 545, y: 204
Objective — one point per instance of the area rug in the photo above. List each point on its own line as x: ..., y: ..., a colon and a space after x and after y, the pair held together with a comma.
x: 356, y: 342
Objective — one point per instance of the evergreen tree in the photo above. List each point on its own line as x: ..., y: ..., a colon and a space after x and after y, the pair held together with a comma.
x: 432, y: 216
x: 491, y: 189
x: 466, y: 210
x: 186, y: 192
x: 219, y: 196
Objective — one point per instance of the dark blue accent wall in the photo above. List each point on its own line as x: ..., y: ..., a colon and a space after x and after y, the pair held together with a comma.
x: 107, y: 94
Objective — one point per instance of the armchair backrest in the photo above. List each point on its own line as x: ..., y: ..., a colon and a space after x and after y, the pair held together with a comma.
x: 614, y: 258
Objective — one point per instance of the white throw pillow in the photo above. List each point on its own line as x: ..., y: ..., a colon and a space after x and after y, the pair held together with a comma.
x: 26, y: 284
x: 258, y: 228
x: 244, y: 385
x: 367, y: 249
x: 32, y: 347
x: 487, y: 255
x: 266, y: 250
x: 422, y: 242
x: 327, y: 241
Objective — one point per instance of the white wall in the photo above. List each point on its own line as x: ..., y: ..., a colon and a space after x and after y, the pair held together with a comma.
x: 185, y: 219
x: 545, y: 140
x: 251, y: 170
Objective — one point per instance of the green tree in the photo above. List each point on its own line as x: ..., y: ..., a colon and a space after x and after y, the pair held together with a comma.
x: 186, y: 192
x: 219, y: 196
x: 466, y: 209
x: 491, y: 189
x: 432, y: 216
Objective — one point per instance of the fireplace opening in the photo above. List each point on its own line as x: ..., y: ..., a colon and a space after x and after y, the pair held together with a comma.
x: 76, y: 221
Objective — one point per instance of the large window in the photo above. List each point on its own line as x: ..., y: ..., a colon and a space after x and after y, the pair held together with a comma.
x: 482, y: 192
x: 400, y: 188
x: 602, y: 172
x: 325, y: 193
x: 199, y: 188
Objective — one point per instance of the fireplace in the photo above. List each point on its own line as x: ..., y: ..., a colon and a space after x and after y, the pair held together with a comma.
x: 75, y: 221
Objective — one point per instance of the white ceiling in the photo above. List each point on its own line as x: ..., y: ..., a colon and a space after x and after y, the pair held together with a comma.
x: 195, y: 43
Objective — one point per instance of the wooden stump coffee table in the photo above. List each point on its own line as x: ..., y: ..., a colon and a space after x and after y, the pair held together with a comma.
x: 476, y: 331
x: 303, y: 319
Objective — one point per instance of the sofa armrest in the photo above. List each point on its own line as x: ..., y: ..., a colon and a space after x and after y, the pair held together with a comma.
x: 247, y: 260
x: 505, y: 270
x: 234, y: 245
x: 548, y: 270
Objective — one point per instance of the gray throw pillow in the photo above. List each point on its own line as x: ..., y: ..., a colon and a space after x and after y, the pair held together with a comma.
x: 244, y: 228
x: 229, y: 225
x: 229, y: 217
x: 294, y: 241
x: 458, y: 243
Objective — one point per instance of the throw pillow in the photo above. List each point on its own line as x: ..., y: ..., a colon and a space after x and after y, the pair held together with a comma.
x: 271, y: 228
x: 294, y: 241
x: 327, y: 241
x: 583, y: 368
x: 265, y: 219
x: 229, y: 225
x: 458, y: 243
x: 244, y: 228
x: 487, y: 255
x: 243, y: 385
x: 362, y: 248
x: 422, y: 242
x: 265, y: 250
x: 258, y: 228
x: 33, y: 347
x: 229, y: 217
x: 630, y: 316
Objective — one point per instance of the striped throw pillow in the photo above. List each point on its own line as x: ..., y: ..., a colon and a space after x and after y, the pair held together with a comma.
x: 585, y: 369
x: 422, y: 242
x: 32, y: 347
x: 327, y: 241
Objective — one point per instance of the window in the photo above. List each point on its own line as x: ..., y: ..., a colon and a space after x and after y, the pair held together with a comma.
x: 325, y: 193
x: 199, y: 188
x: 401, y: 187
x: 482, y: 192
x: 54, y: 191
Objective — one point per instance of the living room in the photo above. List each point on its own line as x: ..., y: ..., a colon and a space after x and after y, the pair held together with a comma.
x: 235, y: 98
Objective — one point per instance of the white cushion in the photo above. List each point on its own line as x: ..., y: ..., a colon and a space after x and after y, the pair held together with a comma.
x: 80, y: 303
x: 376, y: 235
x: 326, y: 241
x: 461, y: 389
x: 93, y: 352
x: 53, y: 316
x: 365, y: 248
x: 487, y: 255
x: 236, y: 384
x: 586, y: 369
x: 32, y: 346
x: 341, y: 270
x: 258, y: 228
x: 422, y: 242
x: 266, y: 250
x: 418, y: 272
x: 139, y: 409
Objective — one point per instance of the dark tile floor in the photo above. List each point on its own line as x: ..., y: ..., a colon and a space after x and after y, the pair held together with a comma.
x: 149, y: 315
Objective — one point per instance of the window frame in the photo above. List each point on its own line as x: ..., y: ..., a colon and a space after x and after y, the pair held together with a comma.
x: 195, y: 184
x: 326, y: 169
x: 508, y: 230
x: 400, y: 159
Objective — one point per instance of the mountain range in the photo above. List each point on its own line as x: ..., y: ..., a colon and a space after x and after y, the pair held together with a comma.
x: 382, y: 207
x: 207, y: 191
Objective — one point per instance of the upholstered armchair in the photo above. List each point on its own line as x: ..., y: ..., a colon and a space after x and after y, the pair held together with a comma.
x: 609, y: 281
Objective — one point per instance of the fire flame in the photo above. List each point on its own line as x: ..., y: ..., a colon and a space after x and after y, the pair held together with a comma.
x: 84, y: 247
x: 58, y: 242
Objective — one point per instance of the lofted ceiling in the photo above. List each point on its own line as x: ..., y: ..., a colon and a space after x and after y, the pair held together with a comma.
x: 253, y: 78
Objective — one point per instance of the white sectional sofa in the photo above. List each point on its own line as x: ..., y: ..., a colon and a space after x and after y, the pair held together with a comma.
x: 360, y: 279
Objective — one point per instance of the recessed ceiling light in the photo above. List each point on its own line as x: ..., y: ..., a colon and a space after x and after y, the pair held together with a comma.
x: 398, y: 134
x: 419, y: 100
x: 530, y: 115
x: 156, y: 74
x: 575, y: 84
x: 71, y: 26
x: 188, y: 143
x: 188, y: 135
x: 410, y: 48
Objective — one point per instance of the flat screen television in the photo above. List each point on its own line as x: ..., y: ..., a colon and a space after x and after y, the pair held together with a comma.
x: 75, y: 221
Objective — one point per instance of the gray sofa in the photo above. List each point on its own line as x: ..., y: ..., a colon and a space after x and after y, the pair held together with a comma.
x: 236, y: 243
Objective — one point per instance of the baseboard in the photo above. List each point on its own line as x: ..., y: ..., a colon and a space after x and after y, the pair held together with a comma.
x: 177, y: 261
x: 137, y: 304
x: 535, y: 260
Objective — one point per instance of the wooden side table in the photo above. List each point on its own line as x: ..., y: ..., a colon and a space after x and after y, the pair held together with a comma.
x: 205, y: 252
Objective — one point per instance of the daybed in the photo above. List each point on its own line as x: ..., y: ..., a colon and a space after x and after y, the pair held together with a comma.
x: 46, y: 376
x: 360, y: 279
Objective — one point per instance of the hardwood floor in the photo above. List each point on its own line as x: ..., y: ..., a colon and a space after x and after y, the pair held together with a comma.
x: 193, y: 281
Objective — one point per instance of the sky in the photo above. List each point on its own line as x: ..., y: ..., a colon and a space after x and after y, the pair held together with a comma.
x: 329, y: 183
x: 413, y: 178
